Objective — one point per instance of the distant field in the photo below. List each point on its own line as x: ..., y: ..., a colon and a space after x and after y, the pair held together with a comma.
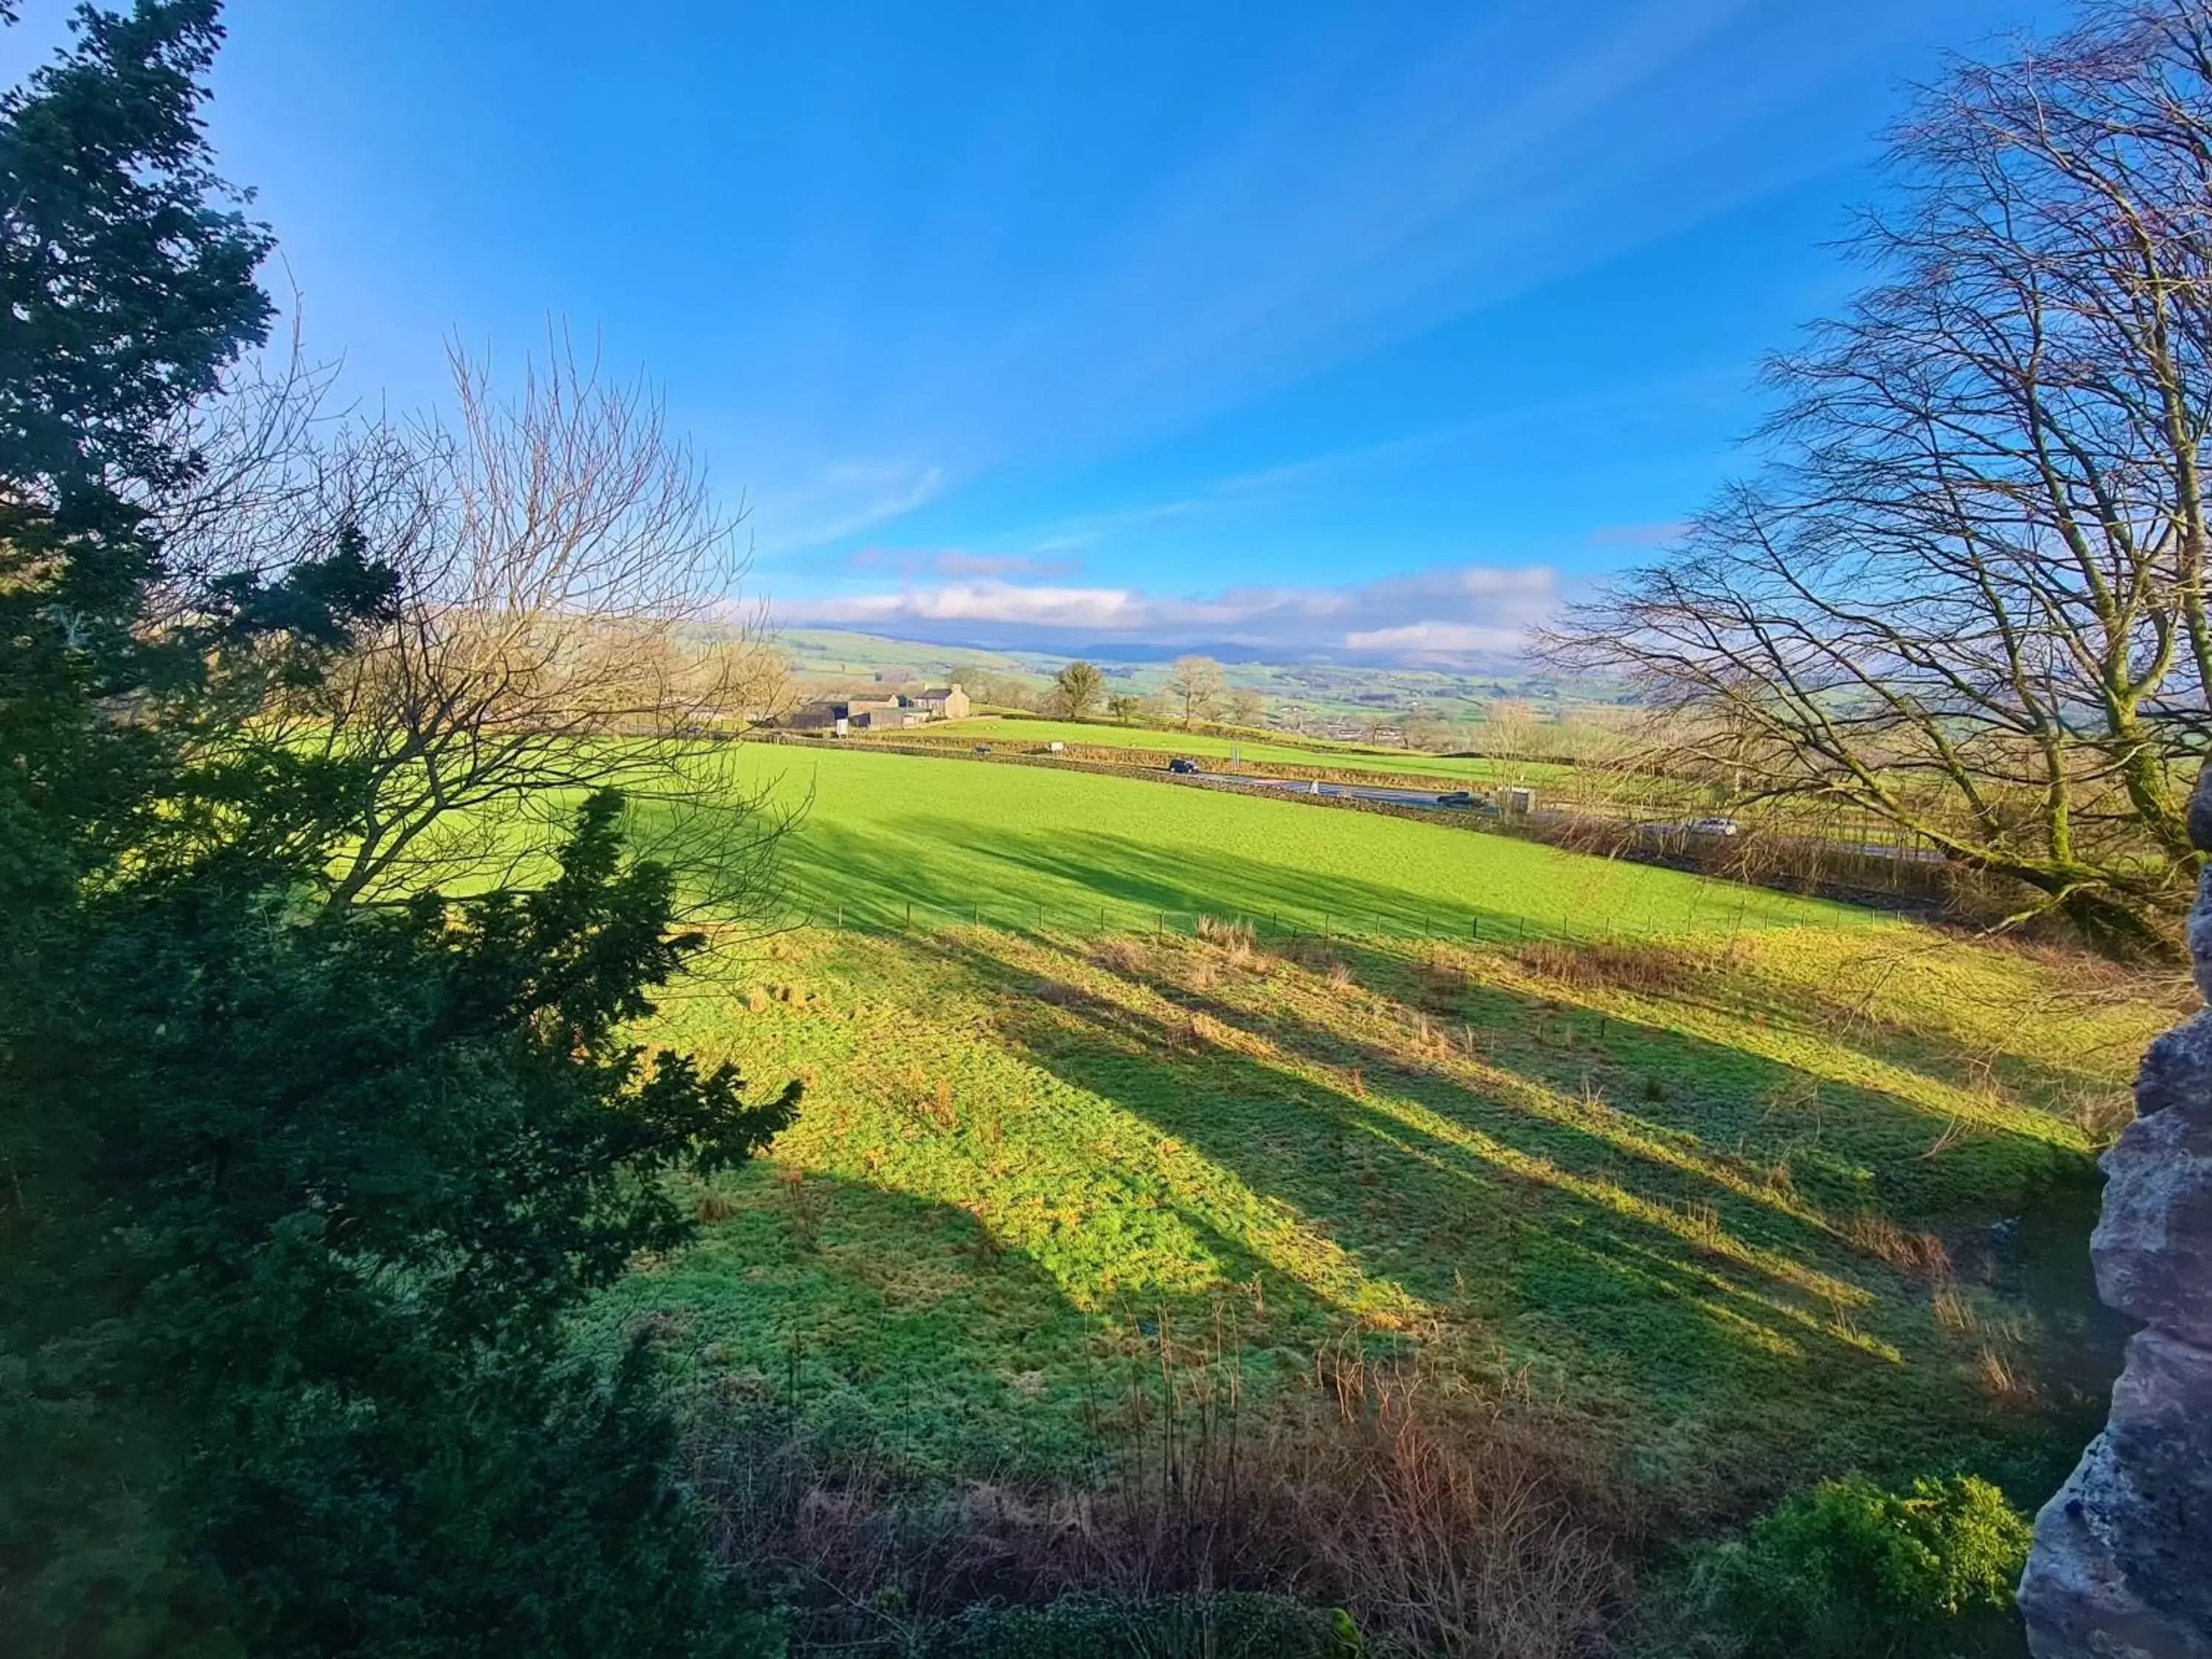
x: 1032, y: 845
x: 1256, y: 752
x: 1717, y: 1175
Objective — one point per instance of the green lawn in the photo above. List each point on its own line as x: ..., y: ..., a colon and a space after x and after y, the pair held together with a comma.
x: 1256, y: 752
x: 1716, y: 1173
x: 955, y: 838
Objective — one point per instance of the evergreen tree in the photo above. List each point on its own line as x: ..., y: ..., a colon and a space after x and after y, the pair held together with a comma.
x: 1078, y: 687
x: 297, y: 1196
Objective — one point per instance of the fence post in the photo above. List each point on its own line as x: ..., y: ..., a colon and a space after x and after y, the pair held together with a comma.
x: 909, y: 916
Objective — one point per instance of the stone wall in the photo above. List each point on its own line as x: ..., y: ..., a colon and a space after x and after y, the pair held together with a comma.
x: 2122, y: 1567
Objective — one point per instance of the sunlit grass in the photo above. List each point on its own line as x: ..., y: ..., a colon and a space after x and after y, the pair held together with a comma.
x: 1256, y: 752
x: 888, y: 835
x: 1725, y: 1186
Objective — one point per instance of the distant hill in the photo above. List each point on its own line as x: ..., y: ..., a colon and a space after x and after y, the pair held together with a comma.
x: 1322, y: 692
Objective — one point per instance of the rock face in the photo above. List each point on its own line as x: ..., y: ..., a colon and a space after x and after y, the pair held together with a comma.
x: 2122, y: 1567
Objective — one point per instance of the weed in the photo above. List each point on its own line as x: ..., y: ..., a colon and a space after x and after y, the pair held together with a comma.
x: 1235, y: 939
x: 2003, y: 1385
x: 1124, y: 957
x: 1920, y: 1254
x: 1952, y: 1310
x: 715, y: 1205
x: 802, y: 1207
x: 1488, y: 1530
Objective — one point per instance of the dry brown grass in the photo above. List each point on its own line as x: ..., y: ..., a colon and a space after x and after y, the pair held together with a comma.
x: 1235, y: 939
x: 1121, y: 956
x: 1478, y: 1529
x: 802, y: 1206
x: 1952, y: 1310
x: 2004, y: 1386
x: 1055, y: 992
x: 1652, y: 969
x: 713, y: 1206
x: 1922, y: 1254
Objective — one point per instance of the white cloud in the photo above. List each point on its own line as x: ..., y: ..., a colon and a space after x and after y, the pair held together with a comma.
x: 840, y: 499
x: 1433, y: 640
x: 1443, y: 614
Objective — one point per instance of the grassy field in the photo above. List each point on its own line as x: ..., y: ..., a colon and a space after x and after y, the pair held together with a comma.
x: 1714, y: 1171
x: 1256, y: 752
x: 958, y: 840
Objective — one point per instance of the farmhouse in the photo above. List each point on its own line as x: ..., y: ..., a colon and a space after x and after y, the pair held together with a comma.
x: 919, y: 707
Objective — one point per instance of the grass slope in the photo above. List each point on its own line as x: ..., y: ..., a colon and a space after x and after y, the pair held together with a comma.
x: 1256, y: 752
x: 1030, y: 845
x: 1723, y: 1190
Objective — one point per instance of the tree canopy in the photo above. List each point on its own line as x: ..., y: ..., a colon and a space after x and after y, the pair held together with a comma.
x: 1194, y: 686
x: 1968, y: 594
x: 1078, y: 687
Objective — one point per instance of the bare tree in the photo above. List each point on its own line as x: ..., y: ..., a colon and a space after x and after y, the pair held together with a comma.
x: 1246, y: 706
x: 1125, y: 707
x: 1194, y: 684
x: 566, y: 622
x: 1969, y: 596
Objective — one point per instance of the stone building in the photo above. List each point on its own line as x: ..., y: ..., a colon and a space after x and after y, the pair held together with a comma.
x: 843, y: 714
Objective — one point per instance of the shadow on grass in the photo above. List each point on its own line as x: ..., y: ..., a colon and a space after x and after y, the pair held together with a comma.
x: 1751, y: 1342
x: 903, y: 1330
x: 1589, y: 1190
x: 940, y: 868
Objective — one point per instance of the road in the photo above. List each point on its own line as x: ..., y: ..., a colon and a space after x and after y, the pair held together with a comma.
x: 1353, y: 791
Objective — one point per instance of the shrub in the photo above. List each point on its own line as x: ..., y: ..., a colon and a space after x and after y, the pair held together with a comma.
x: 1849, y: 1570
x: 1223, y: 1624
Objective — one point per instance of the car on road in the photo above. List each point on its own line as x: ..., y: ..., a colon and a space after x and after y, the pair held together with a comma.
x: 1713, y: 827
x: 1182, y: 763
x: 1457, y: 798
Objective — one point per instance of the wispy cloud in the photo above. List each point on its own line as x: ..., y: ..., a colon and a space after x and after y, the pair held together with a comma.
x: 840, y: 499
x: 910, y: 561
x: 1448, y: 613
x: 1639, y: 534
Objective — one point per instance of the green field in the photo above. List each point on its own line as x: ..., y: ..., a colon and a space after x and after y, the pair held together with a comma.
x: 961, y: 840
x: 1258, y: 752
x: 1717, y: 1174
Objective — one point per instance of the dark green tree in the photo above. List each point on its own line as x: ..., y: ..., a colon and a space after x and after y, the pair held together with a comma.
x: 297, y: 1198
x: 1078, y: 687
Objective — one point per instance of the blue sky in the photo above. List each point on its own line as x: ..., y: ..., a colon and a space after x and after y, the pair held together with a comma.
x: 1291, y: 326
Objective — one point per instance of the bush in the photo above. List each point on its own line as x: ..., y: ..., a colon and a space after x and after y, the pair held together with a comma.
x: 1851, y: 1571
x: 1223, y: 1624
